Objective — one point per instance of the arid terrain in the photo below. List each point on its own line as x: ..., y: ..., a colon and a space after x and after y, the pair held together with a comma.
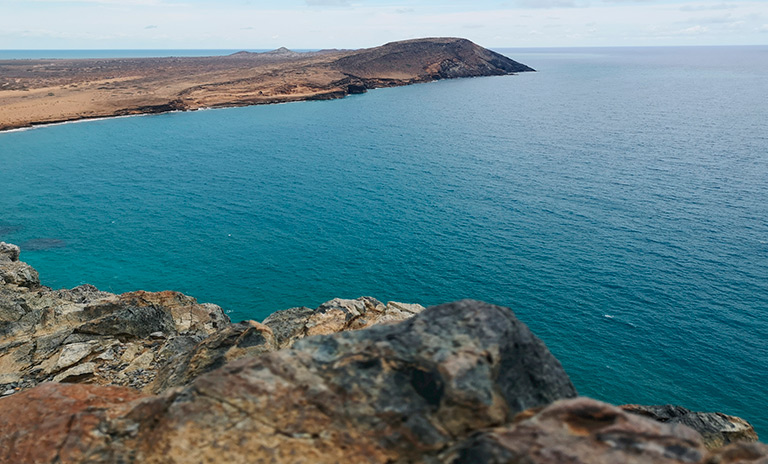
x: 34, y: 92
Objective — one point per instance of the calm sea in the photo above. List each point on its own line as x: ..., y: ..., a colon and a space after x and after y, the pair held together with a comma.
x: 617, y: 200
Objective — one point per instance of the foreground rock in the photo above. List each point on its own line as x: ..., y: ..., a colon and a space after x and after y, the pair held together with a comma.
x: 717, y: 429
x: 349, y: 381
x: 581, y: 431
x: 400, y: 393
x: 280, y: 330
x: 148, y: 341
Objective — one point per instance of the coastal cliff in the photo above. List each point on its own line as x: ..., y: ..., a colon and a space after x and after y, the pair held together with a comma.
x: 34, y: 92
x: 90, y: 376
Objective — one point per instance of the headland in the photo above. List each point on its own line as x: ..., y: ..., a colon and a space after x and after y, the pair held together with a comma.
x: 36, y: 92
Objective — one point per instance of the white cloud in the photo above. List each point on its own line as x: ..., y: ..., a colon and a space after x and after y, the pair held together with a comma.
x: 357, y: 23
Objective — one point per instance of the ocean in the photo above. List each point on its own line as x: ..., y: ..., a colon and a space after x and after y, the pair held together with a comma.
x: 616, y: 200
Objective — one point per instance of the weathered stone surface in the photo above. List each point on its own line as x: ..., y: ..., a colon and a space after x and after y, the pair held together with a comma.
x: 462, y: 382
x: 334, y: 316
x: 397, y: 392
x: 716, y: 428
x: 740, y: 453
x: 188, y: 315
x: 84, y: 334
x: 580, y: 431
x: 9, y: 252
x: 58, y: 423
x: 236, y: 341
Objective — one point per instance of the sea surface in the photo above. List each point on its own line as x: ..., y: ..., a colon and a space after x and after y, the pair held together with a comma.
x: 616, y: 200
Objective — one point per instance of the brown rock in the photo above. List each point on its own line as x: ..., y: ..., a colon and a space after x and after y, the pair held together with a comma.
x: 393, y: 392
x: 233, y: 342
x: 334, y: 316
x: 57, y: 422
x: 87, y: 335
x: 740, y: 453
x: 580, y: 431
x: 717, y: 429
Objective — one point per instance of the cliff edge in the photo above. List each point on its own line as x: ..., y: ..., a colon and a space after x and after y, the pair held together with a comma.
x: 89, y: 376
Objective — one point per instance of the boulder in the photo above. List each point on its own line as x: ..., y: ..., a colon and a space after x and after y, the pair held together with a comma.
x: 740, y: 453
x: 336, y: 315
x: 58, y: 422
x: 580, y: 431
x: 392, y: 392
x: 717, y: 429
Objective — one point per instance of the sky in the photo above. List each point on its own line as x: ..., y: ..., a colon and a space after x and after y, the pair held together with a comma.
x: 313, y: 24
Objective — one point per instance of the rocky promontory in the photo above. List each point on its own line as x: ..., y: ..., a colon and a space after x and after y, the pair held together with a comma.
x: 34, y: 92
x: 90, y: 376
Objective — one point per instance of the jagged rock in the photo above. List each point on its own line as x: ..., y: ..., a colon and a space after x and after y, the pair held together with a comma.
x: 392, y: 392
x: 336, y: 315
x: 236, y: 341
x: 9, y: 253
x: 72, y: 354
x: 51, y: 334
x: 740, y: 453
x: 580, y: 431
x: 188, y: 315
x: 57, y: 422
x: 716, y: 428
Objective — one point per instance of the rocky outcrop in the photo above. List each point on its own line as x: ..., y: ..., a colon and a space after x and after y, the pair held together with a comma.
x: 349, y: 381
x: 580, y: 431
x: 740, y: 453
x: 149, y: 341
x: 717, y: 429
x: 399, y: 393
x: 337, y: 315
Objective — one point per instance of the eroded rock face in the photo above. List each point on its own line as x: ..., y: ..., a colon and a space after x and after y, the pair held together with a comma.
x: 717, y: 429
x: 393, y: 392
x: 461, y: 382
x: 740, y: 453
x: 149, y: 341
x: 334, y: 316
x: 57, y: 422
x: 580, y: 431
x: 84, y: 335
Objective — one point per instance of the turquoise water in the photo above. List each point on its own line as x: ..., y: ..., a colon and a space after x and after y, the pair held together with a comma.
x: 616, y: 200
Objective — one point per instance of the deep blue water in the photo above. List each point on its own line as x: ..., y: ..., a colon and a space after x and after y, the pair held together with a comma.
x: 616, y: 200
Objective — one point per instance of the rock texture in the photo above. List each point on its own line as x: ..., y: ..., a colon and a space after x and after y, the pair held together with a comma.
x: 349, y: 381
x: 399, y: 393
x: 717, y: 429
x: 148, y: 341
x: 580, y: 431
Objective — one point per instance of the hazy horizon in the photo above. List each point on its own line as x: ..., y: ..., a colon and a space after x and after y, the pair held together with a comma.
x: 317, y: 24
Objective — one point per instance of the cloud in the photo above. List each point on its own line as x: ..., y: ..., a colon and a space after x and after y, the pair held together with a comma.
x: 546, y: 3
x: 693, y: 30
x: 344, y: 3
x: 719, y: 6
x: 763, y: 29
x: 151, y: 26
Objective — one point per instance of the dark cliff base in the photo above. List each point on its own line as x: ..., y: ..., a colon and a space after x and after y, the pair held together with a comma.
x: 89, y: 376
x: 34, y: 92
